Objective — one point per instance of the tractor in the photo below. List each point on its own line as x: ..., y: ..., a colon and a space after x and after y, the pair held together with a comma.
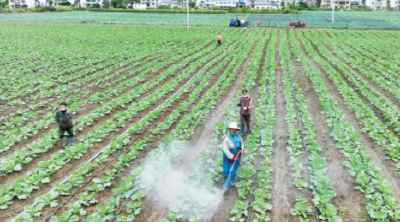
x: 300, y: 24
x: 235, y: 22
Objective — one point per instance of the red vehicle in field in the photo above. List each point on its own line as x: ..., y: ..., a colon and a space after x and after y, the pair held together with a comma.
x: 300, y: 24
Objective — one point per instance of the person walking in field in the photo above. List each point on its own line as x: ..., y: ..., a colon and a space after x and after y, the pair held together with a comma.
x: 219, y: 39
x: 246, y: 104
x: 258, y: 23
x: 64, y: 119
x: 232, y: 150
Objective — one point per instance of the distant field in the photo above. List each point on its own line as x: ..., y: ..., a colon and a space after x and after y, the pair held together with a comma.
x: 344, y: 20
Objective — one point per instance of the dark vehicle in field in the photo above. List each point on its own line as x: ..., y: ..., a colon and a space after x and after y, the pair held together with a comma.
x: 300, y: 24
x: 235, y: 22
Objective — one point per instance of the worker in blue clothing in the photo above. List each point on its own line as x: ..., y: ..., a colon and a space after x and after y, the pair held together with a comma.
x: 233, y: 149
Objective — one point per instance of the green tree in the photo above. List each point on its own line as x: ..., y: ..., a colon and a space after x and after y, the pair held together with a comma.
x: 303, y: 5
x: 192, y: 4
x: 287, y: 10
x: 318, y: 3
x: 164, y: 7
x: 24, y: 6
x: 114, y: 3
x: 106, y: 3
x: 3, y: 4
x: 215, y: 7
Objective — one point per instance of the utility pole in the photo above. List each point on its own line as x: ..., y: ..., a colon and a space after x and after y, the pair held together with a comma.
x: 187, y: 4
x: 333, y: 10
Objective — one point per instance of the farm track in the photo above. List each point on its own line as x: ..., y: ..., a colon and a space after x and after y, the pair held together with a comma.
x: 72, y: 165
x: 341, y: 181
x: 13, y: 176
x: 378, y: 155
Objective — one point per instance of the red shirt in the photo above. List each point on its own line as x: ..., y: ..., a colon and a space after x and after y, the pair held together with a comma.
x: 219, y: 38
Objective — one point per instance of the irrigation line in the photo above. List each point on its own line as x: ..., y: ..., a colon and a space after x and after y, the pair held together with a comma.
x: 302, y: 138
x: 129, y: 198
x: 102, y: 150
x: 127, y: 146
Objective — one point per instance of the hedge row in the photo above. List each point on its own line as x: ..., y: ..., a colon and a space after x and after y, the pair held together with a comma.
x: 158, y: 11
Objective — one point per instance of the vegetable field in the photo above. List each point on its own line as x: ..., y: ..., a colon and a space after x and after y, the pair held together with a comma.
x: 151, y: 106
x: 321, y: 19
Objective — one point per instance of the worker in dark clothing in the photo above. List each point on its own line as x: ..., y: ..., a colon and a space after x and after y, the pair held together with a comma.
x: 65, y: 124
x: 246, y: 104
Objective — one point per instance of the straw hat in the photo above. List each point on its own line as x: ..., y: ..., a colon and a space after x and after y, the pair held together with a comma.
x: 233, y: 125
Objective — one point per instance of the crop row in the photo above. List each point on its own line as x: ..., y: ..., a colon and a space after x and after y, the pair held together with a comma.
x: 98, y: 135
x: 16, y: 135
x: 123, y: 161
x: 24, y: 155
x: 377, y: 130
x: 185, y: 128
x: 380, y: 201
x: 322, y: 190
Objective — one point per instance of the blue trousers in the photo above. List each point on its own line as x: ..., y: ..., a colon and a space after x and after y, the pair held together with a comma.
x: 227, y: 165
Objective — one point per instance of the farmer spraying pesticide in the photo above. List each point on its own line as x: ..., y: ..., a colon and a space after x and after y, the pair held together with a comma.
x: 233, y: 146
x: 65, y: 124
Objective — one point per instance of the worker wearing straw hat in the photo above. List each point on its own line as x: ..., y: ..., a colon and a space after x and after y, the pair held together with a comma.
x: 232, y: 147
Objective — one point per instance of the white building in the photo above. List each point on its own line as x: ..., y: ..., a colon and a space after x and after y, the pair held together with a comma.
x: 34, y: 3
x: 339, y: 4
x: 139, y: 6
x: 221, y: 3
x: 151, y: 4
x: 30, y: 3
x: 89, y: 3
x: 267, y: 4
x: 376, y: 4
x: 394, y: 4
